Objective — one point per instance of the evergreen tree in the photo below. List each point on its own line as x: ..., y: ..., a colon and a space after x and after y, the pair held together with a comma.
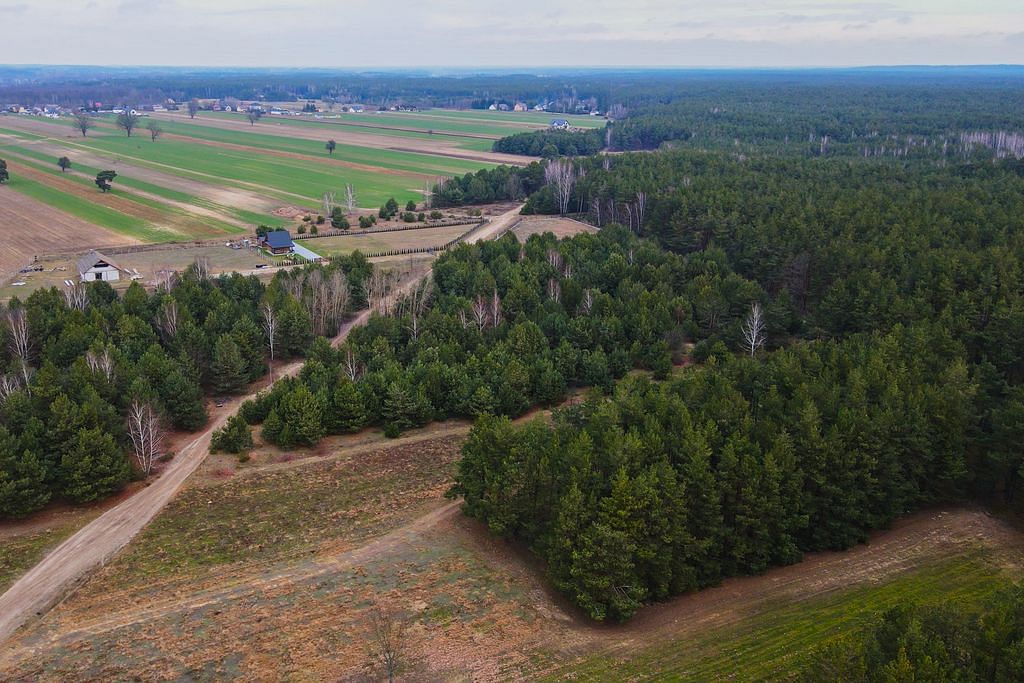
x: 228, y: 373
x: 94, y: 467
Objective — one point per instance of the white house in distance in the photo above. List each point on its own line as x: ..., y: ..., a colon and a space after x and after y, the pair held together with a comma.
x: 95, y: 266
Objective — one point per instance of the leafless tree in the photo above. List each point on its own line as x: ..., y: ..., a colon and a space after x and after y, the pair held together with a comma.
x: 587, y: 302
x: 146, y: 435
x: 193, y: 108
x: 415, y: 304
x: 154, y: 130
x: 165, y: 278
x: 328, y: 202
x: 20, y: 342
x: 83, y: 122
x: 495, y: 308
x: 253, y: 116
x: 554, y: 289
x: 269, y: 316
x: 753, y: 329
x: 202, y: 267
x: 514, y: 186
x: 353, y: 368
x: 560, y: 174
x: 101, y: 362
x: 629, y: 215
x: 641, y: 209
x: 76, y: 296
x: 595, y: 209
x: 387, y: 634
x: 168, y: 317
x: 555, y: 259
x: 350, y: 197
x: 8, y: 385
x: 481, y: 311
x: 380, y: 291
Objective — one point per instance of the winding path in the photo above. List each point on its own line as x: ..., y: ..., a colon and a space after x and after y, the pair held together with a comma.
x: 70, y: 564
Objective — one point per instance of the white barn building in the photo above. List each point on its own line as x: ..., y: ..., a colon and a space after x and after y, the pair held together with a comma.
x: 95, y: 266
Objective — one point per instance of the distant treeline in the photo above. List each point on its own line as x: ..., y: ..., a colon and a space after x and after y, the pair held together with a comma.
x: 552, y: 143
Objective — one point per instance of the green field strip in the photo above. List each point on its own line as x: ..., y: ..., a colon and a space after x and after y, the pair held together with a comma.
x: 290, y: 176
x: 459, y: 140
x: 772, y: 641
x: 171, y: 213
x: 540, y: 119
x: 93, y: 213
x: 253, y: 217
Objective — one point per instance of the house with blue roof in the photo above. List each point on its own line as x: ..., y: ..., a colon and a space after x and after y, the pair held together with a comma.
x: 278, y: 242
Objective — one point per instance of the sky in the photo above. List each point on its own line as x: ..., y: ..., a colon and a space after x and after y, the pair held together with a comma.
x: 511, y: 33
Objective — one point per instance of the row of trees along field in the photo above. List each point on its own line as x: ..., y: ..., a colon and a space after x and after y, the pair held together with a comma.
x: 92, y: 379
x: 896, y: 291
x: 552, y: 143
x: 503, y: 327
x: 954, y: 642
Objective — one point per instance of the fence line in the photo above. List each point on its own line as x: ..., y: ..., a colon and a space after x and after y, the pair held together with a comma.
x: 335, y: 232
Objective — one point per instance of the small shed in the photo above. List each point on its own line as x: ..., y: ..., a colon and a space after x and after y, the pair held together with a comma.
x: 277, y: 242
x: 96, y: 266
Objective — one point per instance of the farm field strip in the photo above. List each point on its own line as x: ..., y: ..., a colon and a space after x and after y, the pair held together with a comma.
x: 87, y: 210
x: 181, y: 215
x: 341, y: 245
x: 298, y: 177
x: 229, y: 214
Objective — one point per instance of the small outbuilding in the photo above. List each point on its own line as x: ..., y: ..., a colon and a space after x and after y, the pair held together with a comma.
x: 96, y: 266
x: 278, y: 242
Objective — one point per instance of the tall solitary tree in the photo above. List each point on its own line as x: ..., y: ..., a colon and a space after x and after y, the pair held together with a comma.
x: 193, y: 108
x: 253, y: 116
x: 64, y: 164
x: 83, y: 122
x: 127, y: 121
x: 4, y: 175
x: 330, y: 146
x: 154, y: 130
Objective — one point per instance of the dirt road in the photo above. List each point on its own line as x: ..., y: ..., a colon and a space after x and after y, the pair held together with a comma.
x: 70, y: 563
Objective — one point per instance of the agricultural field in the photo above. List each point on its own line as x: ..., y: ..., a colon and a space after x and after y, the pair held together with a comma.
x: 270, y: 568
x: 559, y: 227
x: 218, y: 176
x: 372, y: 242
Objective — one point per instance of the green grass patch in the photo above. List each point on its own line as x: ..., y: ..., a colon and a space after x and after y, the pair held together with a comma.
x: 773, y: 641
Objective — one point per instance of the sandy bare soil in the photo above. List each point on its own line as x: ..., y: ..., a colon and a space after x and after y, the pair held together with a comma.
x: 561, y: 227
x: 32, y: 228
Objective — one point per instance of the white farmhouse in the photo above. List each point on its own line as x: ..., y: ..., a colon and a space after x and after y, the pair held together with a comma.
x: 95, y: 266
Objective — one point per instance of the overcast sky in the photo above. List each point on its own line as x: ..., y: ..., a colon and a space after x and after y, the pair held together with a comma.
x: 360, y: 33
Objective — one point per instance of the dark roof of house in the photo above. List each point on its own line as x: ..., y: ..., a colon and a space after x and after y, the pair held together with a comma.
x: 278, y: 239
x: 559, y: 122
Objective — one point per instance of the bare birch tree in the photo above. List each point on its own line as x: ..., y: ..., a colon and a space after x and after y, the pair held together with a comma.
x: 481, y: 311
x: 76, y: 296
x: 641, y: 209
x: 101, y: 362
x: 350, y: 197
x: 587, y: 302
x: 269, y: 316
x: 753, y: 329
x: 146, y: 435
x: 561, y: 175
x: 8, y: 385
x: 495, y: 308
x: 20, y: 342
x: 202, y: 267
x: 353, y: 368
x: 327, y: 202
x: 168, y: 318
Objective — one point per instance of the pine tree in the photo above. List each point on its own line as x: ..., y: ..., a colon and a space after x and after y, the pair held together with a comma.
x: 183, y: 400
x: 347, y: 413
x: 94, y: 467
x: 228, y: 370
x: 22, y: 479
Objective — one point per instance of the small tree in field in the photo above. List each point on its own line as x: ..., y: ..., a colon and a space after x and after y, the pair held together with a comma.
x: 127, y: 121
x: 193, y: 108
x: 253, y: 117
x: 83, y: 122
x: 104, y: 180
x: 64, y: 164
x: 387, y: 633
x: 154, y: 130
x: 331, y: 146
x: 4, y: 175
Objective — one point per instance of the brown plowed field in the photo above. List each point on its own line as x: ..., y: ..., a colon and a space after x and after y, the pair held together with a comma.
x: 31, y: 228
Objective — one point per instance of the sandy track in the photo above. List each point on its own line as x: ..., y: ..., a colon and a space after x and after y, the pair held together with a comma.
x: 30, y: 228
x: 71, y: 562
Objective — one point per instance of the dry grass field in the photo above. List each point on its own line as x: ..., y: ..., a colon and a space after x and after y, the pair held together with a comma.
x: 269, y: 569
x: 371, y: 242
x: 560, y: 227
